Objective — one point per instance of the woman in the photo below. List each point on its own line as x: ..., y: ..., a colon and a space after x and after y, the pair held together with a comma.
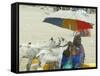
x: 66, y: 62
x: 78, y: 59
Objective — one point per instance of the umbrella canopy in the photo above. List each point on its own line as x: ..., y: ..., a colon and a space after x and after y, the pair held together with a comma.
x: 79, y: 14
x: 72, y: 24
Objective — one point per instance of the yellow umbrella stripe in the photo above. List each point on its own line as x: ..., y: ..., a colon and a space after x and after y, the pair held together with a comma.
x: 69, y: 24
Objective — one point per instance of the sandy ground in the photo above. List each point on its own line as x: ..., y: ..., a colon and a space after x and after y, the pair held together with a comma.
x: 33, y: 29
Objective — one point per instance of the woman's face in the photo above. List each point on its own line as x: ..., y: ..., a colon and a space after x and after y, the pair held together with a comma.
x: 74, y: 51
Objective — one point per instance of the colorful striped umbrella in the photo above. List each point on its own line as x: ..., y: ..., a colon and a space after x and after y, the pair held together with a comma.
x: 72, y: 24
x: 79, y: 15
